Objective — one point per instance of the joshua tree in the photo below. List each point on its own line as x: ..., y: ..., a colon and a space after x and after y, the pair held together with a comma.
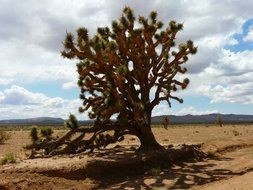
x: 119, y: 69
x: 218, y: 121
x: 165, y: 122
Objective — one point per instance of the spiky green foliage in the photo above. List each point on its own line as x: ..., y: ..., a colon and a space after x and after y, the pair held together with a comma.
x: 165, y: 122
x: 4, y: 136
x: 34, y: 134
x: 218, y: 121
x: 72, y: 122
x: 46, y: 132
x: 114, y: 50
x: 8, y: 158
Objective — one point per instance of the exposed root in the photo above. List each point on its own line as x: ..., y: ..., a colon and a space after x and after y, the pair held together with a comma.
x: 232, y: 148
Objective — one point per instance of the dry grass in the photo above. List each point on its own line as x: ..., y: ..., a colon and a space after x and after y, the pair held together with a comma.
x: 4, y: 136
x: 8, y: 158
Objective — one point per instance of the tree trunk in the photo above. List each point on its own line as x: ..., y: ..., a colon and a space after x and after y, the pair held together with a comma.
x: 147, y: 138
x: 148, y: 141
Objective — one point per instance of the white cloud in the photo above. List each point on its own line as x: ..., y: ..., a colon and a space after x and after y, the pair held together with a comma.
x: 4, y: 81
x: 17, y: 95
x: 17, y: 102
x: 31, y: 38
x: 164, y: 109
x: 228, y: 80
x: 191, y: 110
x: 232, y: 63
x: 69, y: 85
x: 249, y: 36
x: 238, y: 93
x: 33, y: 64
x: 161, y: 109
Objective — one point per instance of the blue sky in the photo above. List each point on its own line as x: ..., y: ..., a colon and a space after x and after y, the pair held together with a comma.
x: 36, y: 81
x: 242, y: 44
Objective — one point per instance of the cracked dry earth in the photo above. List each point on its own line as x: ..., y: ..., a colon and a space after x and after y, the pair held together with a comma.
x: 229, y: 167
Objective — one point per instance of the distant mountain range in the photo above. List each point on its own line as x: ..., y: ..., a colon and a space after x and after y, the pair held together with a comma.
x: 210, y: 118
x: 173, y: 119
x: 33, y: 121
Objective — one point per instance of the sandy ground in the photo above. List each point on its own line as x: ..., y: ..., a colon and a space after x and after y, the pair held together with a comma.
x: 231, y: 168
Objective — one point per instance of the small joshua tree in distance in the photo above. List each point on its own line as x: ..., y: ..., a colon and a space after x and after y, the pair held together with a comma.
x: 218, y: 121
x: 165, y: 122
x: 118, y: 67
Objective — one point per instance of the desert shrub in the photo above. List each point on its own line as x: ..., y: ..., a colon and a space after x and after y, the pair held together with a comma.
x: 34, y: 134
x: 155, y: 171
x: 28, y: 146
x: 46, y: 132
x: 235, y: 132
x: 4, y: 137
x: 165, y: 122
x: 71, y: 122
x: 8, y: 158
x: 218, y: 121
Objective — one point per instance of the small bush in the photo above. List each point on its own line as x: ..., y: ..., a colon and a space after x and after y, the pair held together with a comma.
x: 46, y: 132
x: 165, y: 122
x: 34, y: 134
x: 155, y: 171
x: 218, y: 121
x: 71, y: 122
x: 8, y: 158
x: 235, y: 132
x: 4, y: 137
x: 28, y: 146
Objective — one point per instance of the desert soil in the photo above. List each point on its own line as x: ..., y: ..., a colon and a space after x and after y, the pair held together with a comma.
x: 230, y: 168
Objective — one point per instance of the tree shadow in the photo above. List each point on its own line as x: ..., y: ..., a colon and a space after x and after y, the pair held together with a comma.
x: 120, y: 168
x: 116, y: 153
x: 179, y: 176
x: 3, y: 187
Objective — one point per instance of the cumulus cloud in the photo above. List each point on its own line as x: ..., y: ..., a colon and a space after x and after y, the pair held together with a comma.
x: 163, y: 109
x: 249, y: 36
x: 4, y: 81
x: 238, y: 93
x: 18, y: 102
x: 40, y: 30
x: 69, y: 85
x: 17, y: 95
x: 230, y: 79
x: 193, y: 111
x: 31, y: 38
